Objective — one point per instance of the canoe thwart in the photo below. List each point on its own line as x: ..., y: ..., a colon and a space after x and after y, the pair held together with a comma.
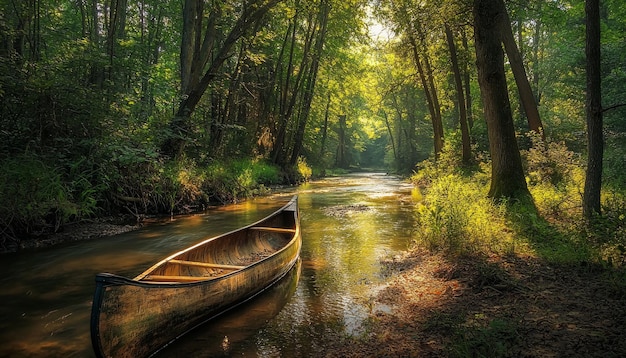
x: 206, y: 264
x: 273, y: 229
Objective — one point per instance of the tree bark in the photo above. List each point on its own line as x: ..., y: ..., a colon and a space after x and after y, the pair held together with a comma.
x: 507, y: 175
x: 593, y: 107
x: 435, y: 116
x: 465, y: 137
x: 519, y: 72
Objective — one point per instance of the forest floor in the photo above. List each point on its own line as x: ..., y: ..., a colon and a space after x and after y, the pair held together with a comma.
x: 490, y: 307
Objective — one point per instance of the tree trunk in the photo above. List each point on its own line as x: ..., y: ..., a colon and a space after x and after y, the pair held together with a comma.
x: 536, y: 42
x: 467, y: 81
x: 310, y: 83
x: 325, y: 127
x: 433, y: 89
x: 434, y: 116
x: 465, y: 137
x: 342, y: 157
x: 507, y: 176
x: 593, y: 107
x: 205, y: 66
x: 289, y: 97
x: 389, y: 129
x: 519, y: 72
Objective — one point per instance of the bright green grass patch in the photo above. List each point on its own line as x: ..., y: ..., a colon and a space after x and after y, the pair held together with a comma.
x: 234, y: 180
x: 456, y: 216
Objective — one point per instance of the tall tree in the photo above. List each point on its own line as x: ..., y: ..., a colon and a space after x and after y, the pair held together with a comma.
x: 519, y: 72
x: 297, y: 73
x: 507, y: 174
x: 458, y: 82
x: 593, y: 107
x: 307, y: 95
x: 342, y: 160
x: 202, y: 56
x: 428, y: 83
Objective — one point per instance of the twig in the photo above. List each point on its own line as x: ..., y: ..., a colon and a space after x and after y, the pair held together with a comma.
x: 613, y: 107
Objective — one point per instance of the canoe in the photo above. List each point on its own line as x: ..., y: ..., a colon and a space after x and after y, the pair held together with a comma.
x: 140, y: 316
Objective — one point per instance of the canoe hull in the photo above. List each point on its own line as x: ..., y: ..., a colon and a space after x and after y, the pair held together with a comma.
x: 134, y: 318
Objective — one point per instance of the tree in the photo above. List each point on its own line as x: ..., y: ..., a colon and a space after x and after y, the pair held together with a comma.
x: 307, y: 96
x: 519, y: 72
x: 202, y: 56
x: 593, y: 107
x: 507, y: 176
x: 465, y: 135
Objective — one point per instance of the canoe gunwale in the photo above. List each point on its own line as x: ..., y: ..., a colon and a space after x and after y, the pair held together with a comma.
x: 108, y: 279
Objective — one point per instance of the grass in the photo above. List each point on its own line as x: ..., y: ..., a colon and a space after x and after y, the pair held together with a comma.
x: 456, y: 217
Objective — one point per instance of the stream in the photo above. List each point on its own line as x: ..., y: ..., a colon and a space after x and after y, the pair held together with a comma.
x: 348, y: 224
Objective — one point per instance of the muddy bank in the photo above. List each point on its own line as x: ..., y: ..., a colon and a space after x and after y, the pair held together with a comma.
x: 88, y: 230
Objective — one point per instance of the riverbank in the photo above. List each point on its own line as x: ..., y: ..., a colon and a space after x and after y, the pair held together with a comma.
x: 435, y: 306
x: 86, y: 230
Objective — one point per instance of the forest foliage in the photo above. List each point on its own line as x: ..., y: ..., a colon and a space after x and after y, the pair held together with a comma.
x: 159, y: 107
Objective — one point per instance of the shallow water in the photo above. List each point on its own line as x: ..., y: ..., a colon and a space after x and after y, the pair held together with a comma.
x: 348, y: 224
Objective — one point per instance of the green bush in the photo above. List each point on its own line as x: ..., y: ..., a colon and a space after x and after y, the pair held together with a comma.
x: 35, y: 199
x: 230, y: 181
x: 304, y: 169
x: 450, y: 162
x: 457, y: 217
x: 549, y: 162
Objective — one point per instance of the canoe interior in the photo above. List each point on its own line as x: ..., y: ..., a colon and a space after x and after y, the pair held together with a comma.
x: 134, y: 318
x: 220, y: 257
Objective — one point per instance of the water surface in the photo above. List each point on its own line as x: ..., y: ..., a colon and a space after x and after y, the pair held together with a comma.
x: 348, y: 224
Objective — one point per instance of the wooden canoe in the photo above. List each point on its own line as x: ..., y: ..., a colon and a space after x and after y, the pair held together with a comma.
x: 138, y: 317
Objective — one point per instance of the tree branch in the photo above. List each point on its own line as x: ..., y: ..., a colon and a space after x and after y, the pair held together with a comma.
x: 613, y: 107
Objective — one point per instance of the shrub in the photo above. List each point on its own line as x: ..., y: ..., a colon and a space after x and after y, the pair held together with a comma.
x: 449, y: 162
x: 35, y: 199
x: 228, y: 182
x: 549, y: 162
x: 457, y: 217
x: 304, y: 170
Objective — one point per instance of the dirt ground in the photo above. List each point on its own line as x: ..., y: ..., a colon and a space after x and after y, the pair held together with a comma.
x: 490, y: 307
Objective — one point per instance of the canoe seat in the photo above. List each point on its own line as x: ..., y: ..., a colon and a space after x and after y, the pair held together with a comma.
x: 163, y: 278
x: 273, y: 229
x: 206, y: 265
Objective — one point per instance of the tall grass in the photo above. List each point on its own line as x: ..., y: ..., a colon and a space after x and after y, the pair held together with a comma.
x: 456, y: 216
x: 231, y: 181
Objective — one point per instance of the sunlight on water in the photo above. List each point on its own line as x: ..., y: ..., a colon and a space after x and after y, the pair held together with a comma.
x: 348, y: 224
